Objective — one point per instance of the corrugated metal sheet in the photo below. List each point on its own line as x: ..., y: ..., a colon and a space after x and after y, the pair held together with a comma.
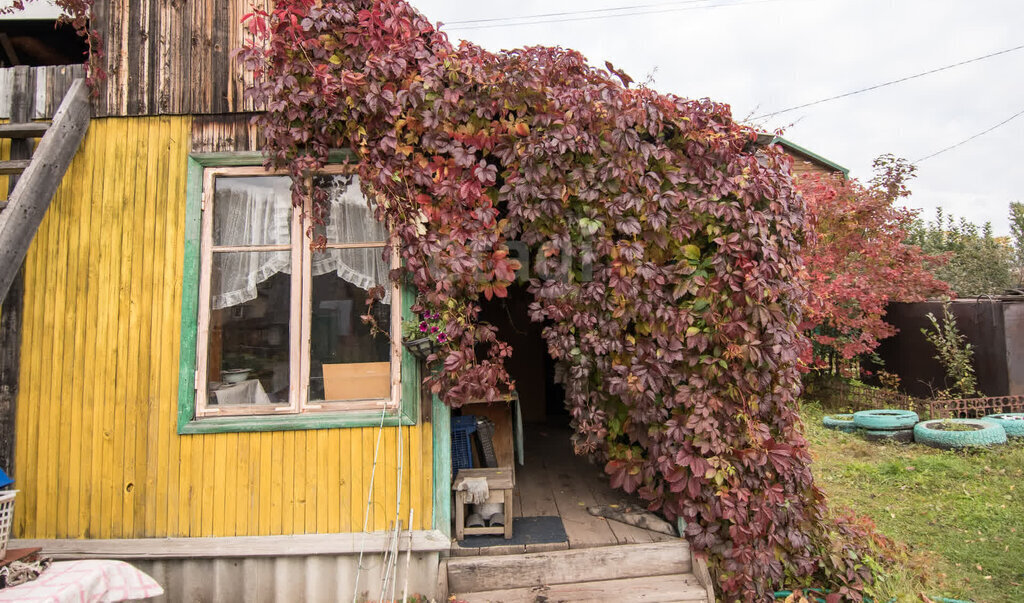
x: 285, y: 579
x: 98, y: 454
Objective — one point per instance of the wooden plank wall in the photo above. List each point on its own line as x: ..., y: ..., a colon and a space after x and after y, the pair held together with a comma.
x: 98, y: 455
x: 172, y: 57
x: 42, y: 88
x: 223, y: 133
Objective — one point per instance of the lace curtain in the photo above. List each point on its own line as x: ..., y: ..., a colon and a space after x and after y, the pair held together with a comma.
x: 257, y: 211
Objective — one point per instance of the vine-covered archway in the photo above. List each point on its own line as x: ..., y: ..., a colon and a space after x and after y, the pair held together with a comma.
x: 669, y: 259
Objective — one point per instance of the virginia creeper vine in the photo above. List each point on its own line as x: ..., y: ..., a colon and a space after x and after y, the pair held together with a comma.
x: 679, y: 355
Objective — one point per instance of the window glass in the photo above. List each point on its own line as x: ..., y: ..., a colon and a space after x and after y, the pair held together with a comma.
x: 347, y: 217
x: 252, y: 210
x: 279, y: 310
x: 248, y: 343
x: 347, y: 361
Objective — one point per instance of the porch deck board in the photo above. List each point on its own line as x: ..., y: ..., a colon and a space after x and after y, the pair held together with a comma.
x: 555, y: 481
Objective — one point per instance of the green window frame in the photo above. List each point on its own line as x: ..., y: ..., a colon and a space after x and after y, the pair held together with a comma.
x: 405, y: 413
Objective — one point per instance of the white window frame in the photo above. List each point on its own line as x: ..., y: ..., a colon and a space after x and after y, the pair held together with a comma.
x: 299, y: 322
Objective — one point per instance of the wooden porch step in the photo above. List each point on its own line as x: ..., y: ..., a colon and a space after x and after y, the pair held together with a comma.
x: 14, y: 166
x: 628, y: 590
x: 32, y: 129
x: 502, y: 572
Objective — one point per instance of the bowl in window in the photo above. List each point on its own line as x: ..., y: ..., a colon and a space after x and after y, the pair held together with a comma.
x: 235, y: 375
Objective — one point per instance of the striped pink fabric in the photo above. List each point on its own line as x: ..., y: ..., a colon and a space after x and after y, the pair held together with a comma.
x: 87, y: 581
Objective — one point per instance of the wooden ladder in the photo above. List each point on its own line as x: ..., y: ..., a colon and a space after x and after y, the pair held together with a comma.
x: 660, y: 571
x: 39, y: 176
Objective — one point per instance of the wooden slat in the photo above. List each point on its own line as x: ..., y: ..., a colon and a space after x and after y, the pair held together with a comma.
x: 14, y: 166
x: 111, y: 417
x: 572, y: 498
x: 62, y: 206
x: 59, y: 357
x: 700, y: 571
x: 245, y: 546
x: 32, y: 129
x: 473, y: 574
x: 630, y: 590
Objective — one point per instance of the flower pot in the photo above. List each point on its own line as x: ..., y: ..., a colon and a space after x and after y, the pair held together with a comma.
x: 422, y: 347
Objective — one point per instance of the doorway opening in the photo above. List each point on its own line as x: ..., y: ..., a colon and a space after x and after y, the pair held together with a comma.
x: 552, y: 481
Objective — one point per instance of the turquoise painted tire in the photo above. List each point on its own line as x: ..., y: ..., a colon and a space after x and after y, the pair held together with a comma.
x: 839, y: 423
x: 885, y: 419
x: 901, y: 436
x: 1012, y: 422
x: 989, y: 433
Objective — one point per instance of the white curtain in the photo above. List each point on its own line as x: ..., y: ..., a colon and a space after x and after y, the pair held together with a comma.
x: 256, y: 211
x: 350, y: 220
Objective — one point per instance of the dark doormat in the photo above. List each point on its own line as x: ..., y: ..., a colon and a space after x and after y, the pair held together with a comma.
x: 525, y: 530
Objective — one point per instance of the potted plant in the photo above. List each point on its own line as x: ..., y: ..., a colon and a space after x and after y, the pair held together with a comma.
x: 423, y: 337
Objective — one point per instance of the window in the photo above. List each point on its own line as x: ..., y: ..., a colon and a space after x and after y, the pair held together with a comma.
x: 277, y: 325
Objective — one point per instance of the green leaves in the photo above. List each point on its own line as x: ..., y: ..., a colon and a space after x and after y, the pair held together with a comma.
x: 588, y: 226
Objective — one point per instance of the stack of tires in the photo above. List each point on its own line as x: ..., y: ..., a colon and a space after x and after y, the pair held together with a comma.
x: 886, y: 425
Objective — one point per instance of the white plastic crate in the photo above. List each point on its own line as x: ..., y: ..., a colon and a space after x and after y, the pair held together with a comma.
x: 6, y: 518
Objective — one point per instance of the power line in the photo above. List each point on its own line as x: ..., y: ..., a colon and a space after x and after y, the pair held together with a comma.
x: 889, y: 83
x: 609, y: 16
x: 575, y: 12
x: 966, y: 140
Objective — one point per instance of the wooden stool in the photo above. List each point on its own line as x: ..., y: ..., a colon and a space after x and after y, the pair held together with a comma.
x: 500, y: 482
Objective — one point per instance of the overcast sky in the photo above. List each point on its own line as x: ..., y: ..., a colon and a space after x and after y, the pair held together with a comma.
x: 764, y: 55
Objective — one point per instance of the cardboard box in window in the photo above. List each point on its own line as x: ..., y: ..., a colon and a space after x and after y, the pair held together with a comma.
x: 357, y: 381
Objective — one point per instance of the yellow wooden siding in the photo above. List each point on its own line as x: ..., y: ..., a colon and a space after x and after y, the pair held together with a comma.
x: 98, y: 454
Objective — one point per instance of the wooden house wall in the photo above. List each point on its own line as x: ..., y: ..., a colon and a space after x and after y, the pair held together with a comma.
x: 803, y: 165
x: 174, y: 57
x: 97, y: 451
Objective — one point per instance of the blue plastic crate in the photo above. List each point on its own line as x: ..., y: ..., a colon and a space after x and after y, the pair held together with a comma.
x: 462, y: 444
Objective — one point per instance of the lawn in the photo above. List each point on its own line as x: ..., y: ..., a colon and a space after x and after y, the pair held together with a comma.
x: 960, y: 514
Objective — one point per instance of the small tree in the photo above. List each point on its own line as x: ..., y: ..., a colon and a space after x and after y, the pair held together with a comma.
x: 955, y: 354
x: 857, y: 261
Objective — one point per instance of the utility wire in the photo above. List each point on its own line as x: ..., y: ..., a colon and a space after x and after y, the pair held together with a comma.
x: 610, y: 16
x: 966, y: 140
x: 889, y: 83
x: 575, y: 12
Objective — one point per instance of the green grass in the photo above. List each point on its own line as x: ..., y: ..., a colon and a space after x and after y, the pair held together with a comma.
x: 960, y: 514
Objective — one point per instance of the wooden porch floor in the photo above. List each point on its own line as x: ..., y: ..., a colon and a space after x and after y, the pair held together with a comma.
x: 556, y: 482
